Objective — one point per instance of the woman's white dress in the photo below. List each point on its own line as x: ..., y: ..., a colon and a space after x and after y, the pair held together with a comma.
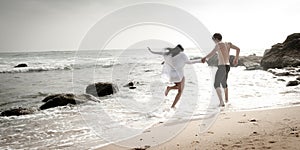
x: 173, y: 67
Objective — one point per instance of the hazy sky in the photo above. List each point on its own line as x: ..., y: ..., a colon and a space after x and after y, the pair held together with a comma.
x: 39, y: 25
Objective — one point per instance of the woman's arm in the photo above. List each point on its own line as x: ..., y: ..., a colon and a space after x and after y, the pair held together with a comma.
x: 159, y: 53
x: 193, y: 61
x: 188, y: 61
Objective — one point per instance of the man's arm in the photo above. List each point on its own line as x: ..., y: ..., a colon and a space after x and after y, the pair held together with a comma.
x: 237, y: 54
x: 159, y: 53
x: 212, y: 53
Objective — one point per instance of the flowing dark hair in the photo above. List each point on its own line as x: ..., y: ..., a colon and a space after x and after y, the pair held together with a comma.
x: 174, y: 51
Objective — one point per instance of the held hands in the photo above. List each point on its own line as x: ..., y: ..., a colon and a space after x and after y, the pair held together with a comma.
x: 203, y: 59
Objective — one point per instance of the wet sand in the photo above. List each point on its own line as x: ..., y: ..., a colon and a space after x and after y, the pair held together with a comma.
x: 259, y: 129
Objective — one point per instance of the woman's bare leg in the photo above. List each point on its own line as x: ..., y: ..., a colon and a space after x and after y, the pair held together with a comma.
x: 180, y: 90
x: 170, y: 88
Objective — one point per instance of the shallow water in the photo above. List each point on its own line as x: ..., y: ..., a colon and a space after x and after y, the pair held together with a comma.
x: 96, y: 123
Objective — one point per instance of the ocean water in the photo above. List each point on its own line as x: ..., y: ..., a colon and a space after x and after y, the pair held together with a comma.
x: 129, y: 111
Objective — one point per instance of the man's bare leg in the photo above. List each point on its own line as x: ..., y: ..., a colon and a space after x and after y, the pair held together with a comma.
x: 226, y: 94
x: 180, y: 90
x: 170, y: 88
x: 219, y: 93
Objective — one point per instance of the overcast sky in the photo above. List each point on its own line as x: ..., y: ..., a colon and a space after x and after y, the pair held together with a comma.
x: 40, y: 25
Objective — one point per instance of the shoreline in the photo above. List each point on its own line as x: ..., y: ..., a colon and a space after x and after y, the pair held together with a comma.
x: 274, y: 128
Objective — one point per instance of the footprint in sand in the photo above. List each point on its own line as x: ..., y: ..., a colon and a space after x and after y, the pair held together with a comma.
x: 272, y: 142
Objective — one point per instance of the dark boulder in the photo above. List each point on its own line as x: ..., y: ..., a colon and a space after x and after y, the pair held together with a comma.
x: 63, y: 99
x: 58, y: 100
x: 283, y: 54
x: 298, y: 78
x: 292, y: 83
x: 21, y: 65
x: 101, y: 89
x: 17, y: 112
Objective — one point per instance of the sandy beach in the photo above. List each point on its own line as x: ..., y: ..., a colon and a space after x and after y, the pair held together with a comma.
x: 259, y: 129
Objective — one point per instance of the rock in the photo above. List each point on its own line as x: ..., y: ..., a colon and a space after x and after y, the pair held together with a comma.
x: 21, y: 65
x: 280, y: 80
x: 298, y: 78
x: 283, y: 54
x: 213, y: 61
x: 58, y: 100
x: 132, y: 87
x: 287, y: 71
x: 101, y: 89
x: 292, y: 83
x: 129, y: 84
x: 251, y: 58
x: 252, y: 66
x: 63, y: 99
x: 251, y: 62
x: 17, y: 112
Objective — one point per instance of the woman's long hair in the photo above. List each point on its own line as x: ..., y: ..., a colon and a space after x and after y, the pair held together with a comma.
x: 174, y: 51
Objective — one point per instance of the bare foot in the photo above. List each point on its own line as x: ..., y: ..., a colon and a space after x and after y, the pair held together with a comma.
x: 226, y: 100
x: 222, y: 105
x: 167, y: 91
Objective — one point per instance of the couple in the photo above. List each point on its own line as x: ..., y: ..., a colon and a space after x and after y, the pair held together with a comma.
x: 175, y: 61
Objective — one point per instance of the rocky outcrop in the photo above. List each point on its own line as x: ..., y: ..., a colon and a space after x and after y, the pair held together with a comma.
x: 21, y: 65
x: 283, y: 54
x: 101, y: 89
x: 17, y: 112
x: 251, y: 62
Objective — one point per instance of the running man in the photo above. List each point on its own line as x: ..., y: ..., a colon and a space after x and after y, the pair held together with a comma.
x: 223, y: 49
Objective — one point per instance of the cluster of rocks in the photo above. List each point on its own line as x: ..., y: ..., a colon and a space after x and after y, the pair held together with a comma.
x: 283, y: 59
x: 98, y: 90
x: 287, y: 71
x: 286, y: 54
